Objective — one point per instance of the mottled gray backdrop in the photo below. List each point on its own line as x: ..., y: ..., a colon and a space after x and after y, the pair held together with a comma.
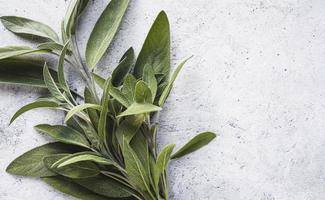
x: 257, y: 79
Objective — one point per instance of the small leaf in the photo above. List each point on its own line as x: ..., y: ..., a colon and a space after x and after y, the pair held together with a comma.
x: 37, y: 104
x: 83, y: 156
x: 77, y: 170
x: 23, y: 72
x: 134, y: 168
x: 13, y: 51
x: 128, y: 128
x: 194, y: 144
x: 51, y: 46
x: 155, y: 51
x: 136, y: 109
x: 64, y: 134
x: 69, y: 187
x: 150, y: 79
x: 51, y: 85
x: 104, y: 31
x: 74, y: 10
x: 119, y: 96
x: 169, y: 86
x: 142, y: 93
x: 123, y: 67
x: 162, y: 162
x: 129, y: 87
x: 93, y: 114
x: 23, y: 26
x: 31, y: 162
x: 99, y: 80
x: 80, y: 108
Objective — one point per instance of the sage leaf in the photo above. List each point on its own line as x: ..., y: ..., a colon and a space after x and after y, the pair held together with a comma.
x: 99, y: 80
x: 93, y: 114
x: 104, y: 186
x: 74, y: 10
x: 123, y: 67
x: 37, y: 104
x: 13, y: 51
x: 150, y: 79
x: 161, y: 163
x: 22, y: 72
x: 23, y: 26
x: 80, y: 108
x: 142, y: 93
x: 102, y: 131
x: 155, y: 51
x: 51, y: 85
x: 83, y: 156
x: 137, y: 108
x: 51, y: 46
x: 128, y: 88
x: 169, y: 86
x: 104, y: 31
x: 69, y: 187
x: 31, y: 162
x: 64, y: 134
x: 128, y: 128
x: 134, y: 168
x: 194, y: 144
x: 119, y: 96
x: 78, y: 170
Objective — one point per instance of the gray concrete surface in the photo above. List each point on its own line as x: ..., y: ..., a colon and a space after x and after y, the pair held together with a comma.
x: 257, y: 79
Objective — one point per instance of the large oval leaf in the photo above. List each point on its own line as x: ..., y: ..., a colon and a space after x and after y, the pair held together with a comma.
x: 64, y: 134
x: 69, y: 187
x: 23, y: 72
x: 77, y: 170
x: 156, y: 48
x: 104, y: 31
x: 23, y: 26
x: 194, y: 144
x: 31, y: 162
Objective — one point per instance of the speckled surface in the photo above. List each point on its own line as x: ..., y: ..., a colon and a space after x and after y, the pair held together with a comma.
x: 257, y: 79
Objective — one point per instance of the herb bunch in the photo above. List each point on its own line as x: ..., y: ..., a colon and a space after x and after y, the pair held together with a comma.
x: 107, y: 146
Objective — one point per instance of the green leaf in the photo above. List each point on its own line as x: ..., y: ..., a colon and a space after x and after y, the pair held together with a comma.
x: 169, y: 86
x: 80, y: 108
x: 142, y: 93
x: 103, y: 113
x: 123, y: 67
x: 13, y: 51
x: 93, y: 114
x: 128, y: 128
x: 37, y: 104
x: 51, y: 46
x: 104, y: 31
x: 136, y: 109
x: 74, y: 10
x: 51, y: 85
x: 129, y: 87
x: 134, y: 168
x: 83, y: 156
x: 22, y: 72
x: 64, y: 134
x: 23, y: 26
x: 161, y: 163
x: 67, y: 186
x: 150, y: 79
x: 78, y: 170
x: 194, y: 144
x: 104, y: 186
x: 99, y: 80
x: 31, y: 162
x: 155, y: 51
x: 119, y: 96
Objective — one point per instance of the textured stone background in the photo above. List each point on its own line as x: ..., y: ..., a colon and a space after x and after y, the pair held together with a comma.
x: 257, y: 79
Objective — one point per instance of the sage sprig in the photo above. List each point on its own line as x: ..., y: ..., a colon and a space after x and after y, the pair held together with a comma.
x: 106, y: 148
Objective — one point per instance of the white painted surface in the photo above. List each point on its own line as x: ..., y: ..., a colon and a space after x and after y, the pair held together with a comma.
x: 257, y: 79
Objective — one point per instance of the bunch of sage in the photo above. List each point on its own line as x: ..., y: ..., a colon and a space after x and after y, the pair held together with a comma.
x: 107, y: 146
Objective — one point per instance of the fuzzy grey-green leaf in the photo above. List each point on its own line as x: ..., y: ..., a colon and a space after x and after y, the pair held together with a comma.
x: 13, y: 51
x: 104, y: 31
